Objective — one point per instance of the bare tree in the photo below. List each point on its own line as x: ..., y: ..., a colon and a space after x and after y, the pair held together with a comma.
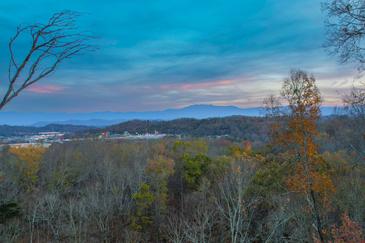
x: 195, y: 228
x: 346, y: 30
x: 51, y: 44
x: 232, y: 204
x: 355, y: 106
x: 272, y: 106
x: 345, y: 38
x: 355, y: 101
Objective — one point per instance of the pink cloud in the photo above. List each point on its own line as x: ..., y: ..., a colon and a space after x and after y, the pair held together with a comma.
x: 195, y: 86
x: 45, y: 89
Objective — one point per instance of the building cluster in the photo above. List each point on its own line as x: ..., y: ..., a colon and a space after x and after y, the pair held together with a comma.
x: 127, y: 135
x: 44, y: 139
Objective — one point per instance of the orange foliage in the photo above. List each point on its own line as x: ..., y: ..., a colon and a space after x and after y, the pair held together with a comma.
x: 318, y: 182
x: 247, y: 146
x: 309, y: 174
x: 160, y: 166
x: 298, y: 137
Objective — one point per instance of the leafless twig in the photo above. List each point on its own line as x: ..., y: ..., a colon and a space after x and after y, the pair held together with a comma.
x: 51, y: 43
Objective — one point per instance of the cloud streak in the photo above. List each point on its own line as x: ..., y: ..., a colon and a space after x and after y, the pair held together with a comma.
x: 195, y: 86
x: 45, y: 89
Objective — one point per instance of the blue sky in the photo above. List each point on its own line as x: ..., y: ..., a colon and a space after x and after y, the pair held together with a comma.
x: 158, y: 54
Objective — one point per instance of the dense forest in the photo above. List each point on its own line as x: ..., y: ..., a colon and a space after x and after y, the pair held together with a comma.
x: 303, y: 183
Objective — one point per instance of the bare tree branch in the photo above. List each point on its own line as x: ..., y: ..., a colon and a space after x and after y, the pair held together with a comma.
x: 346, y: 30
x: 355, y: 102
x: 51, y: 44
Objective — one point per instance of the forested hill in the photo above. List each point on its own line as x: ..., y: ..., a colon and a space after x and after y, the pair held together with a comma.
x: 237, y: 127
x: 6, y: 130
x: 252, y: 128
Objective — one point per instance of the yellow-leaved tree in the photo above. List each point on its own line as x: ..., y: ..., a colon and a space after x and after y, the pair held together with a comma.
x: 30, y: 158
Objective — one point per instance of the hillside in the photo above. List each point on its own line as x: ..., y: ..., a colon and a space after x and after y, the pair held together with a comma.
x: 239, y: 127
x: 236, y: 127
x: 6, y: 130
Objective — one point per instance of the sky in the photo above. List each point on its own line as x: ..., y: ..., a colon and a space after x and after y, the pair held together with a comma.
x: 159, y: 54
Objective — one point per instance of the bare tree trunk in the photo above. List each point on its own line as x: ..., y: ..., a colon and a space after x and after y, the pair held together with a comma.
x: 317, y: 216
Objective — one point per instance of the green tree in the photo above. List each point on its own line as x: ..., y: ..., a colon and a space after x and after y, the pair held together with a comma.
x: 195, y: 167
x: 143, y: 199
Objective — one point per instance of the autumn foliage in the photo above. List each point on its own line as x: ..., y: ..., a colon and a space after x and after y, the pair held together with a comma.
x: 297, y: 137
x: 30, y: 158
x: 348, y: 232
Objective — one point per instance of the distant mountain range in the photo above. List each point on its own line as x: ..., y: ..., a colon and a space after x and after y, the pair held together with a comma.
x: 101, y: 119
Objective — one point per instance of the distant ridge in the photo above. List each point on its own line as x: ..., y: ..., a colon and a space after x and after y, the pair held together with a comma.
x: 101, y: 119
x: 6, y: 130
